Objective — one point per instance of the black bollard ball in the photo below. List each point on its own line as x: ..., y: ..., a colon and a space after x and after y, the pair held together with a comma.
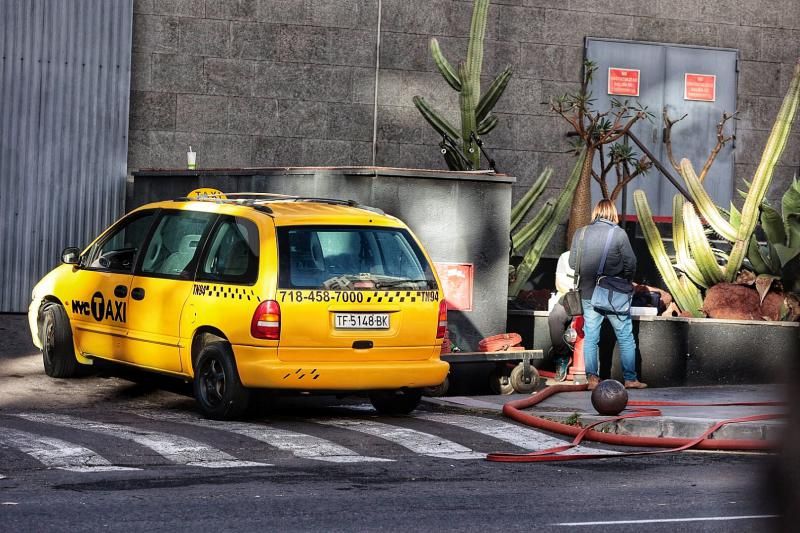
x: 610, y: 397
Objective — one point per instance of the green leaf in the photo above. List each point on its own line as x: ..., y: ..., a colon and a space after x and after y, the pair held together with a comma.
x: 439, y: 123
x: 493, y: 94
x: 772, y: 224
x: 444, y: 66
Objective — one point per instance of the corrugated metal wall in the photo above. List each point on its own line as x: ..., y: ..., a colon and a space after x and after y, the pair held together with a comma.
x: 64, y: 91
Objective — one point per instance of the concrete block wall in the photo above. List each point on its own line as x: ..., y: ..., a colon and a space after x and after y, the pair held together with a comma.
x: 292, y: 82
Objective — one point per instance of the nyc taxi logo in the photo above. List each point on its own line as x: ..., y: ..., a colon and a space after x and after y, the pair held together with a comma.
x: 101, y: 309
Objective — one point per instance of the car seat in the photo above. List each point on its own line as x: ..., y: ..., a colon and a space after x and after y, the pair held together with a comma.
x: 178, y: 260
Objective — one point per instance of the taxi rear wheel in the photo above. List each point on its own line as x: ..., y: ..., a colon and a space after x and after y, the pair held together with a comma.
x: 395, y: 402
x: 58, y: 351
x: 217, y: 388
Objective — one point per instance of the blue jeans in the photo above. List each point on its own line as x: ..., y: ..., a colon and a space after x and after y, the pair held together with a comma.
x: 623, y: 327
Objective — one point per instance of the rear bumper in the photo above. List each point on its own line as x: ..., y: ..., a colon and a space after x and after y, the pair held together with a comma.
x: 260, y: 368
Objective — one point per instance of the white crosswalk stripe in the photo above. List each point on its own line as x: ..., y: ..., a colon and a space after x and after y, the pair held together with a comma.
x: 175, y: 448
x: 416, y: 441
x: 526, y: 438
x: 300, y: 444
x: 56, y: 453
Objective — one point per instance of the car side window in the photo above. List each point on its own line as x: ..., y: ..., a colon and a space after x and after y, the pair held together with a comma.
x: 174, y: 247
x: 232, y: 253
x: 118, y: 250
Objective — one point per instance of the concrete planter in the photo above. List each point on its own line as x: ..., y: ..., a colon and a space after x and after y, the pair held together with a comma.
x: 459, y: 217
x: 687, y: 351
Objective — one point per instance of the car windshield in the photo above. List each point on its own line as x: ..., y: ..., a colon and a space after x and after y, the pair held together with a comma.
x: 351, y: 258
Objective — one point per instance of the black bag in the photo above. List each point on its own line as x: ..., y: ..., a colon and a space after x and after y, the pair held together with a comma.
x: 572, y: 303
x: 572, y: 299
x: 612, y: 294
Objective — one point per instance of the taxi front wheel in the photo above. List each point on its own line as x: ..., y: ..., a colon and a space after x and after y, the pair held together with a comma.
x: 58, y: 351
x: 395, y: 402
x: 217, y: 388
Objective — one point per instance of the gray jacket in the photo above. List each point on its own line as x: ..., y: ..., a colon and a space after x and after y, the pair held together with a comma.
x: 620, y: 261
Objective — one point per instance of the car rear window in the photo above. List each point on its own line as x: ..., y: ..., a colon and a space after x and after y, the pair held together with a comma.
x: 351, y: 258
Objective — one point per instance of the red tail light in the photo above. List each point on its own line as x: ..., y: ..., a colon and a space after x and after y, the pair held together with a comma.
x: 440, y: 331
x: 266, y: 323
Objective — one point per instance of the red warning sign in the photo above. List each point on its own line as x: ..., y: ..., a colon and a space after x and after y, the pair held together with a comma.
x: 623, y: 81
x: 700, y: 87
x: 457, y: 285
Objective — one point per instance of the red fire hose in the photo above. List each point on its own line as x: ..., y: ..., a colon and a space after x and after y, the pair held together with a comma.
x: 640, y: 409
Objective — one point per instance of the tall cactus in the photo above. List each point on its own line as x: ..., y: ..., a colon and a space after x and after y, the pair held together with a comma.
x: 693, y: 252
x: 475, y: 109
x: 543, y: 226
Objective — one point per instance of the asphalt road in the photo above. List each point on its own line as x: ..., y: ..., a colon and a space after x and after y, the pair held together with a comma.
x: 120, y: 451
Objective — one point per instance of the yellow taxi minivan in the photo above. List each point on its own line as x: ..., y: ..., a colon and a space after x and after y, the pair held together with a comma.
x: 251, y: 291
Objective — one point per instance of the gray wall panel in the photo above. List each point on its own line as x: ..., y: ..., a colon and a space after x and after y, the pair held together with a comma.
x: 64, y: 96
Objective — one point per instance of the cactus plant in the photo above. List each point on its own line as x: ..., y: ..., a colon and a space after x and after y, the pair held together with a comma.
x: 694, y: 255
x: 543, y: 226
x: 781, y: 255
x: 475, y: 109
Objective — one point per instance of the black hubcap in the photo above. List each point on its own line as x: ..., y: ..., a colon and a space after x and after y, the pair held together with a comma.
x: 212, y: 382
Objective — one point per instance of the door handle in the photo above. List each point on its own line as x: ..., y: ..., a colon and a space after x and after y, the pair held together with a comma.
x: 120, y: 291
x: 137, y: 293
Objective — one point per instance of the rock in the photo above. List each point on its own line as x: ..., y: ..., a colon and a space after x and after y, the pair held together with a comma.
x: 731, y: 301
x: 771, y: 307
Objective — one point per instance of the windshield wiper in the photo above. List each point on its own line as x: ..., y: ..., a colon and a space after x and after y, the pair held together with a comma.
x: 394, y: 283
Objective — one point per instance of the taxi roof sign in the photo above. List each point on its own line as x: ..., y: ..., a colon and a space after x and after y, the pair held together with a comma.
x: 206, y: 193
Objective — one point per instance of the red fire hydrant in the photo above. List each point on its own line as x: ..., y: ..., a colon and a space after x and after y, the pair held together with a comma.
x: 578, y: 370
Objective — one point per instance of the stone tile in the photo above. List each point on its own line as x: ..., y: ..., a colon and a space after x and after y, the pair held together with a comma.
x: 140, y: 72
x: 204, y: 37
x: 630, y: 7
x: 516, y: 23
x: 252, y: 40
x: 759, y: 78
x: 289, y: 81
x: 216, y: 150
x: 503, y: 135
x: 780, y: 45
x: 391, y: 154
x: 330, y: 46
x: 164, y: 151
x: 411, y: 51
x: 350, y: 122
x: 404, y: 125
x: 152, y: 33
x: 138, y: 149
x: 408, y: 17
x: 363, y: 86
x: 301, y: 118
x: 184, y: 8
x: 523, y: 96
x: 757, y: 14
x: 676, y: 31
x: 177, y: 73
x: 253, y: 116
x: 142, y: 6
x: 746, y: 39
x: 152, y: 111
x: 284, y: 11
x: 361, y: 14
x: 233, y: 77
x: 232, y: 9
x: 548, y: 62
x: 570, y: 27
x: 542, y: 134
x: 202, y: 113
x: 397, y: 88
x: 497, y: 55
x: 720, y: 11
x: 282, y: 151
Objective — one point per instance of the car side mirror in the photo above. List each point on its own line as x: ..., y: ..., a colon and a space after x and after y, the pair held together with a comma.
x: 70, y: 255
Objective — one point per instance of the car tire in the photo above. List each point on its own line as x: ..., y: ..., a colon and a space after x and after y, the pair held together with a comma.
x: 58, y: 350
x: 395, y: 402
x: 217, y: 388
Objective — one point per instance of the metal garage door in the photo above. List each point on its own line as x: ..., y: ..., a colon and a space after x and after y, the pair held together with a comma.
x: 662, y: 79
x: 64, y: 91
